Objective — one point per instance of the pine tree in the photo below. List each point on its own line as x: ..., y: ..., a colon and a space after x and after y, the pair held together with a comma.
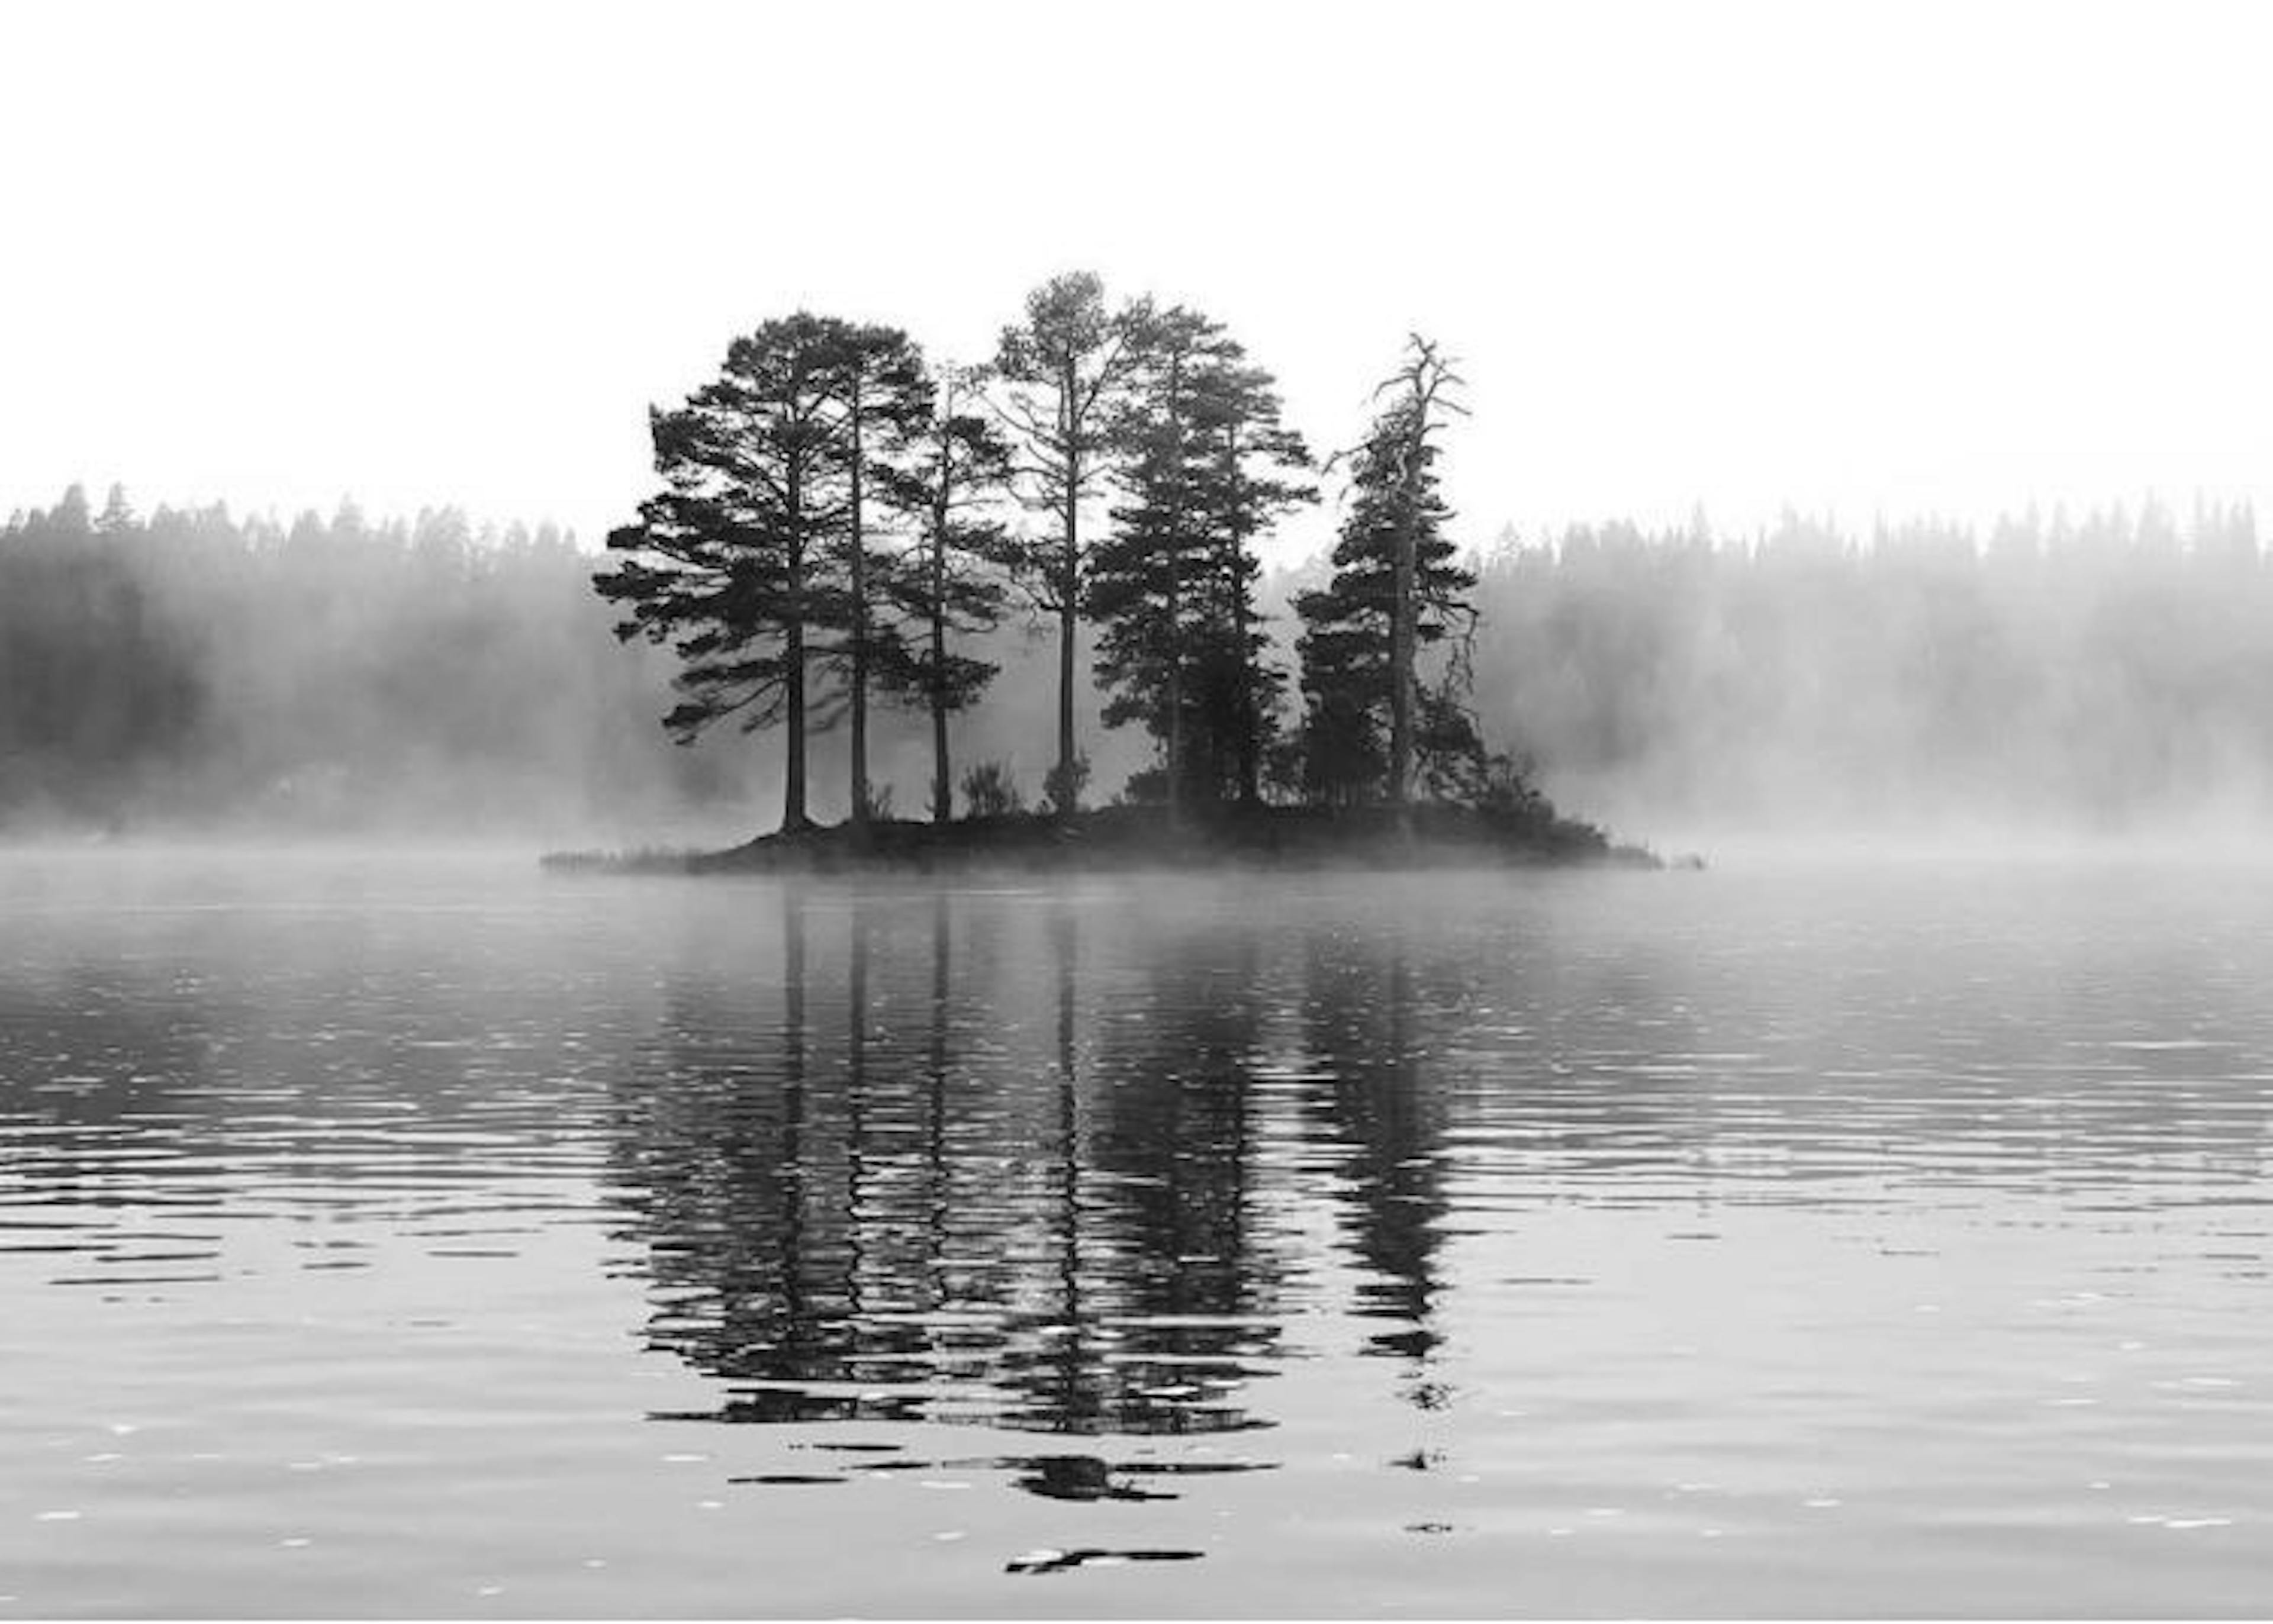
x: 1252, y: 464
x: 884, y: 397
x: 1067, y: 368
x: 957, y: 467
x: 1173, y: 587
x: 118, y: 516
x: 1143, y: 576
x: 1395, y: 591
x: 731, y: 563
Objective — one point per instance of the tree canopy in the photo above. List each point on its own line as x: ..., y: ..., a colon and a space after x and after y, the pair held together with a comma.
x: 1181, y: 643
x: 757, y: 560
x: 1067, y: 368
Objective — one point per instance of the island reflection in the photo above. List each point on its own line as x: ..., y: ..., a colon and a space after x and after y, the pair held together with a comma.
x: 1047, y: 1175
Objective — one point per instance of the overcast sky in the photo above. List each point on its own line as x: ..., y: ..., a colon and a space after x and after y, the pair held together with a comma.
x: 1871, y: 258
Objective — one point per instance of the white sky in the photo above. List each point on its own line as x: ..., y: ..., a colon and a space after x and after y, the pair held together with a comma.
x: 1888, y: 258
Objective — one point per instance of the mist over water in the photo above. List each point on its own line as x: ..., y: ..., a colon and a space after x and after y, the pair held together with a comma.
x: 1818, y: 1240
x: 1870, y: 1223
x: 2102, y: 677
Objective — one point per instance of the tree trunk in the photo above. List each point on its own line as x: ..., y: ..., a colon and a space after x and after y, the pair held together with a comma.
x: 1400, y: 649
x: 1249, y: 710
x: 793, y: 818
x: 942, y: 782
x: 1176, y: 702
x: 942, y: 785
x: 1068, y: 585
x: 859, y: 573
x: 1066, y: 625
x: 1174, y: 606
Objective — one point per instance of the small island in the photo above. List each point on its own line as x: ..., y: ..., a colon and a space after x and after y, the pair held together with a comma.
x: 1114, y: 838
x: 840, y: 519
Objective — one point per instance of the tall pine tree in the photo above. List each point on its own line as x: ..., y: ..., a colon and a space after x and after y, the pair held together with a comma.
x: 1066, y: 369
x: 957, y: 471
x: 884, y: 397
x: 1144, y: 576
x: 1179, y: 643
x: 1253, y: 468
x: 1395, y: 592
x: 733, y: 564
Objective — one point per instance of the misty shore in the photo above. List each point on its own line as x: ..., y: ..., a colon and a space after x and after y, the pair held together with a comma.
x: 1144, y: 837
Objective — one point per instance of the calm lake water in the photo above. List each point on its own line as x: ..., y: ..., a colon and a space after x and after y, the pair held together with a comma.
x: 434, y: 1237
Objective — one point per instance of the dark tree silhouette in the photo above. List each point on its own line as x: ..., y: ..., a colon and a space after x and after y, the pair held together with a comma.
x: 885, y: 395
x: 1395, y: 590
x: 1251, y: 478
x: 1143, y: 576
x: 751, y: 561
x: 1066, y: 368
x: 957, y: 468
x: 723, y: 562
x: 1172, y: 587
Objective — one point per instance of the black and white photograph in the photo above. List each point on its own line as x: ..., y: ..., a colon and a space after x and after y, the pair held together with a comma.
x: 1142, y: 809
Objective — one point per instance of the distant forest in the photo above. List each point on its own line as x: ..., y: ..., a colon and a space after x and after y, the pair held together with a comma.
x: 187, y: 668
x: 2101, y: 672
x: 180, y: 669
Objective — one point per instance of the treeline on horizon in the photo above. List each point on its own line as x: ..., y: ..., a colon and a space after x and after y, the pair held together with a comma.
x: 2102, y: 672
x: 187, y: 668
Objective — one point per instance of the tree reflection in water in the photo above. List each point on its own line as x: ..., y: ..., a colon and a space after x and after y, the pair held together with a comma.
x: 1057, y: 1190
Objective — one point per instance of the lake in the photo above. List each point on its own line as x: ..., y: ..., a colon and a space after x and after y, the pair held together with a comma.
x: 424, y: 1235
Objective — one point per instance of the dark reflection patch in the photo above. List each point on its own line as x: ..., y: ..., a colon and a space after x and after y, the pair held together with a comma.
x: 1091, y: 1556
x: 791, y: 1479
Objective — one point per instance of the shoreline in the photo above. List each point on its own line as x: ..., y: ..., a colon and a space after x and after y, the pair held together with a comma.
x: 1122, y: 839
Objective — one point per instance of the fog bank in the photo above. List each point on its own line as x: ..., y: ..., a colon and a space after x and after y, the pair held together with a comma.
x: 2106, y: 678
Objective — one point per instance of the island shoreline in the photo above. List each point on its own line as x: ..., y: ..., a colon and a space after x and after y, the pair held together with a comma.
x: 1124, y: 839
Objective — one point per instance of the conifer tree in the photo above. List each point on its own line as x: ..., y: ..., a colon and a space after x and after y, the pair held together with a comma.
x: 1144, y: 576
x: 1395, y: 591
x: 1254, y: 465
x: 884, y: 398
x: 1066, y: 368
x: 118, y: 516
x: 731, y: 563
x: 1173, y: 587
x: 957, y: 468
